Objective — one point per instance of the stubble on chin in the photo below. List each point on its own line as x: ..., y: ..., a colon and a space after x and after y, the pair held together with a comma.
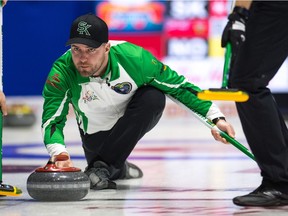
x: 84, y: 73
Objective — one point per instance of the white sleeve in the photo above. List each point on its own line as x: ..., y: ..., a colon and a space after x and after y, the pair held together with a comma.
x: 55, y: 149
x: 214, y: 112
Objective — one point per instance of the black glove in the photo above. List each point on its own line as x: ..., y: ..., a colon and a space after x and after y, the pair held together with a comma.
x: 234, y: 31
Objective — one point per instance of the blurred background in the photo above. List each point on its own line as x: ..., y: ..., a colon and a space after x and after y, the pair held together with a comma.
x: 185, y: 34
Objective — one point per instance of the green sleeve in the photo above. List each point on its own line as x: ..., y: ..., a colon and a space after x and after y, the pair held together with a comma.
x: 56, y: 95
x: 161, y: 76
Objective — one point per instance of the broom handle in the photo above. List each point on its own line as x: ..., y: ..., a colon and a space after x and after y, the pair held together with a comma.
x: 227, y: 63
x: 229, y: 139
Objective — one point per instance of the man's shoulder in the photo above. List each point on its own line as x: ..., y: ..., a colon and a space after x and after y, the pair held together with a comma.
x: 65, y: 60
x: 63, y: 65
x: 125, y: 48
x: 66, y: 55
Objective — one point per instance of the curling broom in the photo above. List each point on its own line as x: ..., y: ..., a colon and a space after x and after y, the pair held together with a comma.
x: 223, y: 134
x: 224, y: 93
x: 5, y: 190
x: 211, y: 125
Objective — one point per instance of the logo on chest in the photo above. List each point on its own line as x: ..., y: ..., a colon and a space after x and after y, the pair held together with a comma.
x: 122, y: 88
x: 89, y: 96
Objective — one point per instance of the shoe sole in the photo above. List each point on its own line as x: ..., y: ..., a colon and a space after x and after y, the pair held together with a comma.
x: 133, y: 166
x: 263, y: 204
x: 106, y: 185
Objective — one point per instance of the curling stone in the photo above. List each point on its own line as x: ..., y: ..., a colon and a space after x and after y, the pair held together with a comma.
x: 51, y: 183
x: 19, y: 115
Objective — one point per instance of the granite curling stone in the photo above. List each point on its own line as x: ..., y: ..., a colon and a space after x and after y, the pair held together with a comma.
x: 19, y: 115
x: 51, y: 183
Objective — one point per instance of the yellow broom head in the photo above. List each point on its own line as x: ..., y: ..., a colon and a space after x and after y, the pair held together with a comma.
x: 223, y: 94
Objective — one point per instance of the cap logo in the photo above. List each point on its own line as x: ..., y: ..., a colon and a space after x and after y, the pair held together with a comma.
x: 83, y: 28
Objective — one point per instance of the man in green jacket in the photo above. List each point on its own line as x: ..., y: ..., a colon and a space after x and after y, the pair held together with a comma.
x: 117, y: 91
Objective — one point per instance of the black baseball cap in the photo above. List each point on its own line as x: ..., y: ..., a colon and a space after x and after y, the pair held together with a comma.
x: 88, y: 29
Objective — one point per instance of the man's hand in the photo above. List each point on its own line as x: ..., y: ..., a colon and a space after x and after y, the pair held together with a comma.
x: 3, y: 103
x: 66, y: 163
x: 234, y: 32
x: 226, y: 127
x: 4, y: 2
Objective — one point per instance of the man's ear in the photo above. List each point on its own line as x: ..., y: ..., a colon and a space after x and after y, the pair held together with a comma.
x: 107, y: 47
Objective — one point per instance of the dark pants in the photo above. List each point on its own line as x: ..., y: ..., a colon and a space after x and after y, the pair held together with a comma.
x: 264, y: 51
x: 114, y: 146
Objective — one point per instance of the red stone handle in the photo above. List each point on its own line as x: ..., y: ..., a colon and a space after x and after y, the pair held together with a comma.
x: 60, y: 158
x: 51, y: 165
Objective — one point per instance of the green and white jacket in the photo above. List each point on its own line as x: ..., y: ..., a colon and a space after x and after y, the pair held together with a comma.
x: 99, y: 102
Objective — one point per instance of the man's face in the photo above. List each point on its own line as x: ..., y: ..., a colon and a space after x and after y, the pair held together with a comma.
x: 90, y: 61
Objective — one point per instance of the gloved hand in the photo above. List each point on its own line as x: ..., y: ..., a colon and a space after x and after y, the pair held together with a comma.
x: 234, y: 31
